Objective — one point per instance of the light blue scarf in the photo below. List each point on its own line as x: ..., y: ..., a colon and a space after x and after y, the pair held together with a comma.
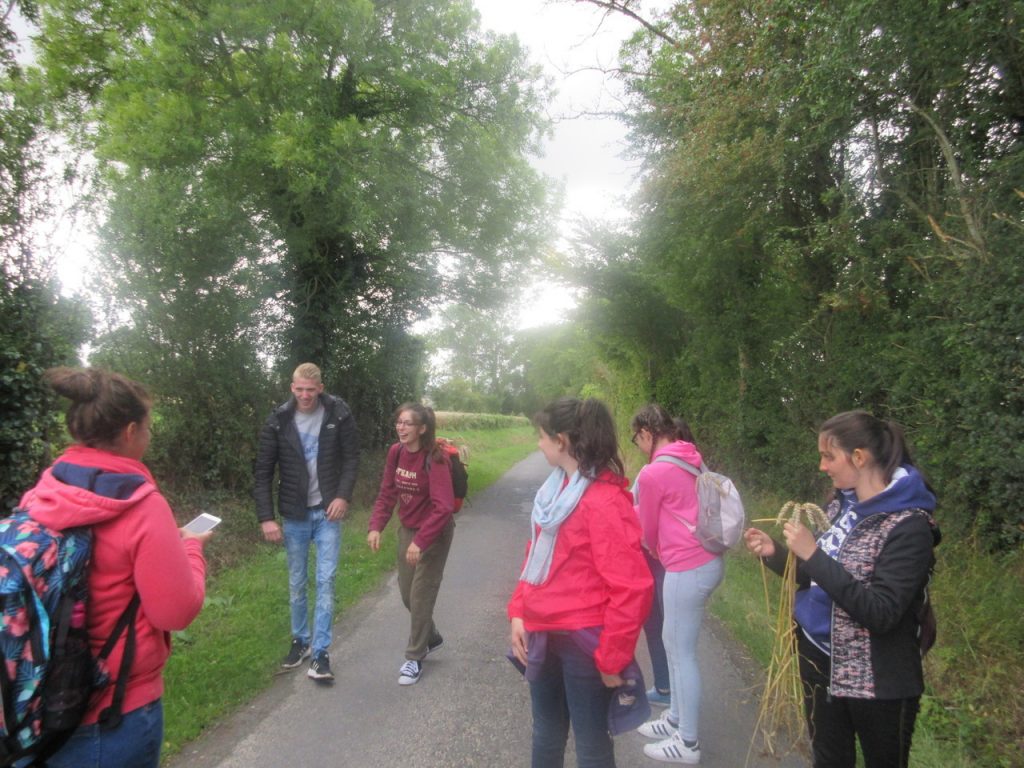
x: 551, y: 506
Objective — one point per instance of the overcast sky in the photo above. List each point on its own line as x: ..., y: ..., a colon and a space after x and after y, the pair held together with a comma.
x: 573, y: 41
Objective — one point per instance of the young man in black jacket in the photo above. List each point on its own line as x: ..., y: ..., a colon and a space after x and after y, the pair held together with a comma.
x: 313, y: 443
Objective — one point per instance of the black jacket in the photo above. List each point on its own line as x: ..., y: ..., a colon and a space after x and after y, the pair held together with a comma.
x: 877, y: 589
x: 280, y: 448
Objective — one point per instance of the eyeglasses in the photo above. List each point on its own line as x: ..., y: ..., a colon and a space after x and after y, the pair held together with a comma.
x: 634, y: 437
x: 401, y: 423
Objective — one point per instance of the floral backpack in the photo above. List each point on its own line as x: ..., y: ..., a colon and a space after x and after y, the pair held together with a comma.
x: 47, y: 671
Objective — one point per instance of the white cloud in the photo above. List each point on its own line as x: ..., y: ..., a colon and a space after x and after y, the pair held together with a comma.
x: 577, y: 44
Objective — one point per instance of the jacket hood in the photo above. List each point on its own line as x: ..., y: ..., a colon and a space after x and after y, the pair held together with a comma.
x: 87, y: 486
x: 906, y: 491
x: 680, y: 449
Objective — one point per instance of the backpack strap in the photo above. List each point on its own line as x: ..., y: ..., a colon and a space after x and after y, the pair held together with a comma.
x: 695, y: 471
x: 391, y: 463
x: 111, y: 716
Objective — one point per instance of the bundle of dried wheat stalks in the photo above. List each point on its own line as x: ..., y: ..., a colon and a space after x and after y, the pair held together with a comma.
x: 780, y: 718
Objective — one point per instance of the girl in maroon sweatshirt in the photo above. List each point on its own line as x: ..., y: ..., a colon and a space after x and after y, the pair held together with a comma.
x: 417, y: 477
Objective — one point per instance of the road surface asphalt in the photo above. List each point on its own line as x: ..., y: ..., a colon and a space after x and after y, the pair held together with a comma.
x: 470, y: 707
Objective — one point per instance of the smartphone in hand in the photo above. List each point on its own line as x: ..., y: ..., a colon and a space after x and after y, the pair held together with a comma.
x: 202, y: 523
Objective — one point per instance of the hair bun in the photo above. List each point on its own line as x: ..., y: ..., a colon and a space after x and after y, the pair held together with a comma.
x: 77, y: 385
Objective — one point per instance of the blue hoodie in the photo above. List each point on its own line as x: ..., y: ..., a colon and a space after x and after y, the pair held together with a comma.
x: 813, y: 607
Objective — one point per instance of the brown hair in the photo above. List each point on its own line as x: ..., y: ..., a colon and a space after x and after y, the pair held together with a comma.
x: 659, y: 423
x: 884, y: 440
x: 102, y: 403
x: 424, y: 417
x: 591, y: 431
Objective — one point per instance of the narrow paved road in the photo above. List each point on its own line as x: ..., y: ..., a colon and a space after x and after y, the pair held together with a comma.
x: 470, y: 708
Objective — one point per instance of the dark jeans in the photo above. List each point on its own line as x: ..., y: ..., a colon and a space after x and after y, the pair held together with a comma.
x: 653, y: 625
x: 135, y: 743
x: 883, y: 727
x: 568, y: 690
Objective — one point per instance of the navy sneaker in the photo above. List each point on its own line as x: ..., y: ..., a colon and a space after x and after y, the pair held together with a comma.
x: 296, y: 655
x: 320, y: 667
x: 410, y: 672
x: 434, y: 644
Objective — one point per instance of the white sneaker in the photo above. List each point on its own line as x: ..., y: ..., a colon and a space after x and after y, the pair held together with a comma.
x: 661, y: 728
x: 409, y: 673
x: 673, y: 750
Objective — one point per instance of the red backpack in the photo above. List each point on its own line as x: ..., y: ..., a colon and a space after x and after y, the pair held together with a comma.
x: 460, y: 475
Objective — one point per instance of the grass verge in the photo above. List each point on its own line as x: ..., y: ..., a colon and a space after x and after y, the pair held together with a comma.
x: 233, y: 649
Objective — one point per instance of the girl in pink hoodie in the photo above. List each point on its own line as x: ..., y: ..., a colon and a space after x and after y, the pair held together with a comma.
x: 666, y: 503
x: 100, y: 481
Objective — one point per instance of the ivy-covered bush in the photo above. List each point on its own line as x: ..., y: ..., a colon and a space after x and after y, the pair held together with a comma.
x: 38, y: 330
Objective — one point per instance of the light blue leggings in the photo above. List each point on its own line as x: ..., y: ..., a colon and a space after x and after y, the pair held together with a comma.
x: 685, y: 593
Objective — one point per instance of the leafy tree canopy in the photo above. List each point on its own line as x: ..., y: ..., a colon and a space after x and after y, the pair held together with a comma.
x: 293, y: 180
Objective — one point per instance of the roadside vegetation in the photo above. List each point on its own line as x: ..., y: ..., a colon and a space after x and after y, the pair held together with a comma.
x: 233, y: 650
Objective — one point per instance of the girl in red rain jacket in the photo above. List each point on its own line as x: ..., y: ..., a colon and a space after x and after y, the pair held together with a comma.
x: 585, y: 576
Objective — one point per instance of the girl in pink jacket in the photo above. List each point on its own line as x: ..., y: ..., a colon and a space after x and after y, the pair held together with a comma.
x: 666, y: 503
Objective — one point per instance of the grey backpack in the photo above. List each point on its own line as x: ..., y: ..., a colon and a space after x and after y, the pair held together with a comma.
x: 720, y: 518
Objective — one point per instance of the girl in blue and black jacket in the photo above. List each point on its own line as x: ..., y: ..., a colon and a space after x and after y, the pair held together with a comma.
x: 861, y: 586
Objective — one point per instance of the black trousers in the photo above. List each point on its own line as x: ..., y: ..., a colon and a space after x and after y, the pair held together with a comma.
x: 883, y: 727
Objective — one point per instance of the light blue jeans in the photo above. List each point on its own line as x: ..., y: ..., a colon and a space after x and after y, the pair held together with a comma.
x: 685, y: 593
x: 135, y: 743
x: 325, y: 534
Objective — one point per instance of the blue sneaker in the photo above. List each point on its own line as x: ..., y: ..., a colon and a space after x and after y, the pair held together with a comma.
x: 659, y: 699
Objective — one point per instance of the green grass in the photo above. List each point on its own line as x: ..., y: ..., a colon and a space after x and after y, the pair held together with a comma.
x: 971, y: 714
x: 490, y: 452
x: 456, y: 420
x: 233, y: 649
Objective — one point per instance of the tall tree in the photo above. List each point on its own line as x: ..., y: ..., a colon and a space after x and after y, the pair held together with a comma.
x: 372, y: 156
x: 477, y: 370
x: 831, y: 198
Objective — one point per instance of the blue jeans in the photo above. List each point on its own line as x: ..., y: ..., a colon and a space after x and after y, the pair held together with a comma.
x: 568, y: 690
x: 326, y: 536
x: 653, y: 628
x: 135, y: 743
x: 686, y: 592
